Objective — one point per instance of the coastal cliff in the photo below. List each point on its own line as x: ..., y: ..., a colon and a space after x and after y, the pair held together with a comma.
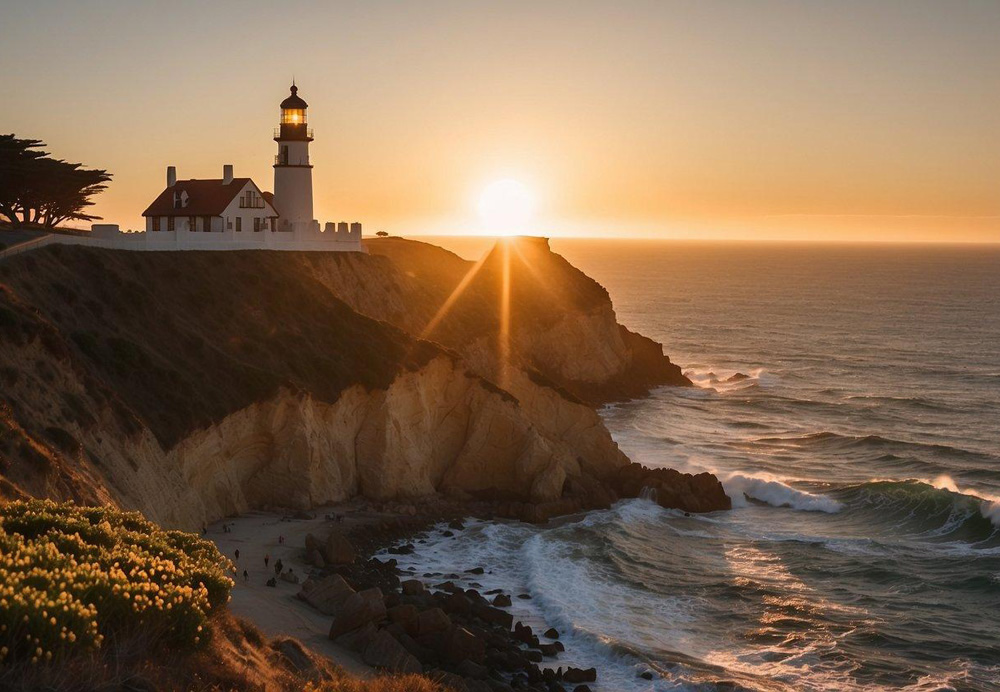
x: 562, y: 322
x: 195, y: 385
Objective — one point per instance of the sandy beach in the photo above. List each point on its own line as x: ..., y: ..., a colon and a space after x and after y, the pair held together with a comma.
x: 276, y: 610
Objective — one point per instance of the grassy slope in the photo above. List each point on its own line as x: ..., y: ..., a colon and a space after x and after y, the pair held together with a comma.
x: 184, y: 339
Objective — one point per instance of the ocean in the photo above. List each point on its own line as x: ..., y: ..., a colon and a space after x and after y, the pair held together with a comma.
x: 848, y: 397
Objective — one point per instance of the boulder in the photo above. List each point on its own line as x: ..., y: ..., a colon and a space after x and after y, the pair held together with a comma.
x: 412, y: 587
x: 407, y: 617
x: 420, y: 652
x: 433, y: 621
x: 357, y: 640
x: 338, y: 550
x: 384, y: 652
x: 358, y: 609
x: 502, y: 601
x: 458, y: 603
x: 326, y: 595
x: 494, y: 616
x: 574, y: 675
x: 462, y: 645
x: 468, y: 669
x: 549, y: 650
x: 674, y: 490
x: 298, y: 658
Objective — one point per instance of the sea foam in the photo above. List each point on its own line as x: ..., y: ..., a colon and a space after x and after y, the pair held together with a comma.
x: 775, y: 493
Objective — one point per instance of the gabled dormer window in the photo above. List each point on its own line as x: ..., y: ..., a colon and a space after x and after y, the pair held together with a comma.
x: 251, y: 200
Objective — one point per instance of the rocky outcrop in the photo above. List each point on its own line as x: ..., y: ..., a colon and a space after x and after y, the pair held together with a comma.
x: 672, y: 489
x: 553, y: 305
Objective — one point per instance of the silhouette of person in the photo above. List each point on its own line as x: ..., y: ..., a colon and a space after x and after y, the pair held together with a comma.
x: 246, y: 576
x: 237, y: 553
x: 267, y: 558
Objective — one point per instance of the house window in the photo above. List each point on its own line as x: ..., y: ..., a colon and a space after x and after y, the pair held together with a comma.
x: 154, y: 223
x: 239, y: 224
x: 206, y: 224
x: 170, y: 223
x: 256, y: 224
x: 192, y: 222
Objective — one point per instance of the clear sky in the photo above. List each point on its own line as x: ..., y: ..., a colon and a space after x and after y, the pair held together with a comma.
x: 867, y: 119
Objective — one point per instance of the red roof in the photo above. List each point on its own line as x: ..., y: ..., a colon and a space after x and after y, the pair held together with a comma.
x: 269, y: 198
x: 205, y: 197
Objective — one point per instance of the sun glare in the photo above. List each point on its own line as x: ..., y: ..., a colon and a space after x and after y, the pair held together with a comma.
x: 506, y: 207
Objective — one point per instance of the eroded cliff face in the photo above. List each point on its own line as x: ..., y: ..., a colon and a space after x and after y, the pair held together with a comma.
x: 194, y: 385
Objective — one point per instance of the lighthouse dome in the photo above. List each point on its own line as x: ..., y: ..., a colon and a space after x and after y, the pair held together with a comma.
x: 294, y: 101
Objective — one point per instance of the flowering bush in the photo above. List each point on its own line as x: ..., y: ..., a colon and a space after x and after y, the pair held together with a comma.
x: 71, y: 576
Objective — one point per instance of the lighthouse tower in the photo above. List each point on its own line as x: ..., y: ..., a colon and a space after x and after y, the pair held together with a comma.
x: 293, y: 195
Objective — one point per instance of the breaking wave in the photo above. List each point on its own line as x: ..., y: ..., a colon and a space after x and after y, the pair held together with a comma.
x: 771, y: 491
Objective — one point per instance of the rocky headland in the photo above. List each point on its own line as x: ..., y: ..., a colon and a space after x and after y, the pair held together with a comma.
x: 196, y: 385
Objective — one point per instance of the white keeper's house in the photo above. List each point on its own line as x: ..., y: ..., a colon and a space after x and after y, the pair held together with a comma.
x: 231, y: 213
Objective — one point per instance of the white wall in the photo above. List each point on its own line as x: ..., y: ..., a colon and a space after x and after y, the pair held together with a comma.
x: 246, y: 214
x: 107, y: 236
x: 293, y: 197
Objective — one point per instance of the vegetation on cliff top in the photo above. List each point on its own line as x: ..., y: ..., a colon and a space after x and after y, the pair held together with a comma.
x: 71, y: 576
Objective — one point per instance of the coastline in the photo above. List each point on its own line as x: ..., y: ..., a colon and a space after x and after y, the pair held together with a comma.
x: 376, y: 531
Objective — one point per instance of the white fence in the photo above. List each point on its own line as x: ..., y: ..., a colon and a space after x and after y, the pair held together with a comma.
x: 109, y: 237
x: 29, y: 245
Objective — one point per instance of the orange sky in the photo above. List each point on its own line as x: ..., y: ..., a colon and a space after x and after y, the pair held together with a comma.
x: 871, y: 120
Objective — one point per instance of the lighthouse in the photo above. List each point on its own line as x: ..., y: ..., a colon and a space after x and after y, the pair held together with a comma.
x: 293, y: 197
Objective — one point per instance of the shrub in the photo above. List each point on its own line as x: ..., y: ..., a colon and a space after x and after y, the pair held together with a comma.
x: 71, y: 576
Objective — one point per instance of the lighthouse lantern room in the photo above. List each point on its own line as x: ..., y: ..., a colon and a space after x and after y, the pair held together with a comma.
x: 292, y: 171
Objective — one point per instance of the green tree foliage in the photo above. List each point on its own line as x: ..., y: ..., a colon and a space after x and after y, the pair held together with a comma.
x: 38, y: 190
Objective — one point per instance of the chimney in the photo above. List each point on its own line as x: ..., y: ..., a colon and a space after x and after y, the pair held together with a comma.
x: 171, y: 176
x: 227, y: 174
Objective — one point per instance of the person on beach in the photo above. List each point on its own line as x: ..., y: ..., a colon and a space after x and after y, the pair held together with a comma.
x: 267, y: 558
x: 237, y: 553
x: 246, y: 576
x: 281, y: 540
x: 278, y: 566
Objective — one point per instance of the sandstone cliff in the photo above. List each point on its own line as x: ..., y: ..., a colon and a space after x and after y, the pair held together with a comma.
x: 194, y: 385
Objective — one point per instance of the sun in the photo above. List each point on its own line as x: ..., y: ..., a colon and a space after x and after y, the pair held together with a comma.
x: 506, y: 207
